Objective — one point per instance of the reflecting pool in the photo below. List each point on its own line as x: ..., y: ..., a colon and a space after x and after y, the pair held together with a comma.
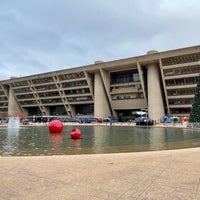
x: 36, y: 140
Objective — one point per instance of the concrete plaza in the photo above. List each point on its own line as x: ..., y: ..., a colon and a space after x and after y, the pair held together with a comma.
x: 165, y: 175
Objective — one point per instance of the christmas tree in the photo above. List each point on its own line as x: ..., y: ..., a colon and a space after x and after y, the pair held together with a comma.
x: 195, y: 111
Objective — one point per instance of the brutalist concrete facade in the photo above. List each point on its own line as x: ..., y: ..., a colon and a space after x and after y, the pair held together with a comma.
x: 158, y: 82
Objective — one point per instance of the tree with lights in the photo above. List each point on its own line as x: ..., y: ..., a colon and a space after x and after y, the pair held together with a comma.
x: 195, y: 111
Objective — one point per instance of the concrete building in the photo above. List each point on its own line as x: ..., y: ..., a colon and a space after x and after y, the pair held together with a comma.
x: 158, y: 82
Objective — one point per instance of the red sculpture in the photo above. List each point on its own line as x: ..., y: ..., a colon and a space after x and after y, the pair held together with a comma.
x: 56, y: 126
x: 75, y: 133
x: 185, y: 118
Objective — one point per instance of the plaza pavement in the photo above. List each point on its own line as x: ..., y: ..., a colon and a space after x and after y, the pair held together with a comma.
x: 164, y: 175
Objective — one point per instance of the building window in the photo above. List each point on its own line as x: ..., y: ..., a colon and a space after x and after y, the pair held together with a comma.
x: 42, y: 80
x: 84, y: 109
x: 181, y: 59
x: 124, y: 76
x: 181, y: 81
x: 184, y: 91
x: 182, y: 70
x: 71, y: 76
x: 19, y: 84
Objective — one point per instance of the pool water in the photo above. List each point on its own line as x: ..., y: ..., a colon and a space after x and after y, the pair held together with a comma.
x: 36, y: 140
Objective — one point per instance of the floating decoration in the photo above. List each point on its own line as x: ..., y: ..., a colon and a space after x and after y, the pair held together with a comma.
x: 75, y: 133
x: 56, y: 126
x: 185, y: 118
x: 100, y: 120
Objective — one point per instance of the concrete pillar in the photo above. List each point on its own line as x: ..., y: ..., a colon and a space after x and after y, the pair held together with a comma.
x: 13, y: 107
x: 155, y: 101
x: 101, y: 105
x: 47, y: 110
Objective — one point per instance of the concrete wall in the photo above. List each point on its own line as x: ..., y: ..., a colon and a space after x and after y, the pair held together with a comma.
x: 13, y: 107
x: 155, y: 100
x: 101, y: 106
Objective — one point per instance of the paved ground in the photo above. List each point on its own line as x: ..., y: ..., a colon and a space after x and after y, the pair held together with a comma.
x: 164, y: 175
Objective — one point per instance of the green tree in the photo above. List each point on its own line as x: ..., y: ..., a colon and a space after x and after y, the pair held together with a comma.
x: 195, y: 111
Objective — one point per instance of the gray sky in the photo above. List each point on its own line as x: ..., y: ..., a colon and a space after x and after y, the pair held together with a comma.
x: 39, y: 36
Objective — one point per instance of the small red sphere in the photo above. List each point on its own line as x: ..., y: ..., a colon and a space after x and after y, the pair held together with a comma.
x: 185, y: 118
x: 100, y: 120
x: 75, y: 133
x: 55, y: 126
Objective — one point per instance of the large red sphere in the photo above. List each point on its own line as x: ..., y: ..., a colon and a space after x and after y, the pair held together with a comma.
x: 75, y: 133
x: 56, y: 126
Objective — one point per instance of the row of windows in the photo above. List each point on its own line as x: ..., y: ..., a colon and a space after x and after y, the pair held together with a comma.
x: 32, y: 102
x: 2, y: 93
x: 42, y: 80
x: 177, y: 111
x: 182, y: 70
x: 4, y: 104
x: 181, y: 59
x: 49, y: 79
x: 74, y: 84
x: 76, y: 99
x: 128, y: 96
x: 22, y: 90
x: 47, y: 101
x: 45, y: 87
x: 124, y: 76
x: 19, y: 84
x: 184, y: 91
x: 51, y: 94
x: 3, y: 109
x: 77, y: 91
x: 25, y: 96
x: 71, y: 76
x: 48, y: 94
x: 3, y: 99
x: 180, y: 101
x: 115, y: 88
x: 182, y: 81
x: 49, y: 87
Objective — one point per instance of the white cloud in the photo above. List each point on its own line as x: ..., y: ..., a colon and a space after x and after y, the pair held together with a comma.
x: 40, y: 36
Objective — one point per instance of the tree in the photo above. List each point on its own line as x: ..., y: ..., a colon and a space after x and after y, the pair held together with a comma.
x: 195, y: 111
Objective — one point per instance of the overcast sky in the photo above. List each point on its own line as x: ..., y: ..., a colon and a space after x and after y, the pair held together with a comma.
x: 39, y: 36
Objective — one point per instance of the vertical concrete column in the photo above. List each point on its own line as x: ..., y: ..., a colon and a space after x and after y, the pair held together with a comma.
x: 101, y: 105
x: 47, y: 110
x: 155, y: 101
x: 13, y: 107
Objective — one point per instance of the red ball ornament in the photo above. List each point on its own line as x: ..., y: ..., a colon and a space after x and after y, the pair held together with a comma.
x: 185, y: 118
x: 75, y: 133
x: 55, y: 126
x: 99, y: 120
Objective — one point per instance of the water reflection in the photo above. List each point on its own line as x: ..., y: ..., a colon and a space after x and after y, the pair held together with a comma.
x: 55, y: 138
x: 75, y: 143
x: 10, y: 143
x: 99, y: 139
x: 156, y: 139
